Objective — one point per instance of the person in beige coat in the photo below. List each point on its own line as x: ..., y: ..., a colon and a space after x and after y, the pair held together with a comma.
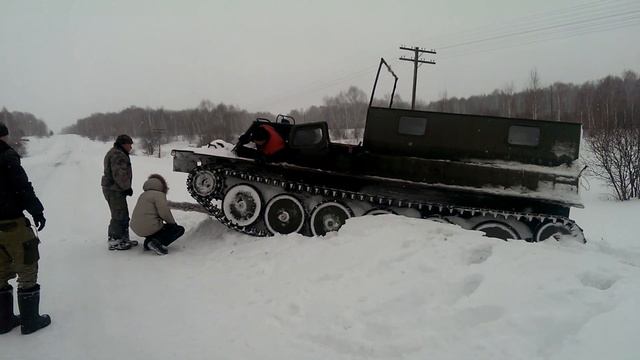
x: 152, y: 217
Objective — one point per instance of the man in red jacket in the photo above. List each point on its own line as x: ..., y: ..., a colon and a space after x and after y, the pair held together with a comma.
x: 269, y: 144
x: 267, y: 140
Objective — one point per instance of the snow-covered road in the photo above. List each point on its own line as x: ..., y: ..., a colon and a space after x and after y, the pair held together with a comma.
x: 384, y: 287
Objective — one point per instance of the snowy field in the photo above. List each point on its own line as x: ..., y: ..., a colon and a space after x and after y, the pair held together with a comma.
x: 384, y: 287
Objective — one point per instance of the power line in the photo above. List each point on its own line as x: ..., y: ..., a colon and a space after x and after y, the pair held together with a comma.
x: 584, y: 19
x: 536, y: 20
x: 621, y: 22
x: 555, y: 26
x: 579, y: 32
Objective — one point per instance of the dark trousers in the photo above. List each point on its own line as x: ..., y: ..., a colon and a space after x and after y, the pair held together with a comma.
x: 168, y: 234
x: 119, y: 224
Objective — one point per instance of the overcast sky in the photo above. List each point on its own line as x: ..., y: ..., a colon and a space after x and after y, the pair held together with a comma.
x: 63, y: 60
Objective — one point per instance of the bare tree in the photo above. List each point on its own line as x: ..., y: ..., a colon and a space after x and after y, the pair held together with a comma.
x: 507, y: 99
x: 444, y: 101
x: 616, y: 160
x: 533, y: 93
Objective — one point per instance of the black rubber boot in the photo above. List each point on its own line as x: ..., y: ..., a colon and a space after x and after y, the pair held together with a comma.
x: 29, y: 304
x: 7, y: 319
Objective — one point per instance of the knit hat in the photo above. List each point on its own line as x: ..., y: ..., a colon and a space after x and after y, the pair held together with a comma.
x: 124, y: 139
x: 4, y: 131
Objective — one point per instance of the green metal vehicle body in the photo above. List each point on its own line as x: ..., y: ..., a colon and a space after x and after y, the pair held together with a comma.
x: 509, y: 177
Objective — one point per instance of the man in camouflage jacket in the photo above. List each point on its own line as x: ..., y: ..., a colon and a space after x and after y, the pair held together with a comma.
x: 116, y: 186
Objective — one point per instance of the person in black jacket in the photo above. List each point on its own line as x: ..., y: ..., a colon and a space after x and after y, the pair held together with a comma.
x: 19, y: 253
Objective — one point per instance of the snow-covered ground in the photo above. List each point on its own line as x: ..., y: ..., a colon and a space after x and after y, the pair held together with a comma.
x: 384, y: 287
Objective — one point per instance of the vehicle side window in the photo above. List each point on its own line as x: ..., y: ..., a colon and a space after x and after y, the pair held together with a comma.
x: 524, y: 135
x: 307, y: 136
x: 412, y: 126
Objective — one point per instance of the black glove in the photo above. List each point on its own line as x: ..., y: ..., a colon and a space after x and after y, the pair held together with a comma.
x: 128, y: 192
x: 244, y: 138
x: 39, y: 221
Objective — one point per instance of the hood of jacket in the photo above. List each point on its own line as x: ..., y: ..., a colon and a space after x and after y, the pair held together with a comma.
x: 153, y: 184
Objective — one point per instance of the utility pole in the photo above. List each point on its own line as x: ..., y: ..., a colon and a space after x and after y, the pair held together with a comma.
x: 157, y: 136
x: 416, y: 60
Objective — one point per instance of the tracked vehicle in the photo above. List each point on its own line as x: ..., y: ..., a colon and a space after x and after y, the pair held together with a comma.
x: 510, y: 178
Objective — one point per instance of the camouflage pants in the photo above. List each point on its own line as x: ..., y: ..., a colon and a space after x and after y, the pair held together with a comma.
x: 119, y: 224
x: 18, y: 253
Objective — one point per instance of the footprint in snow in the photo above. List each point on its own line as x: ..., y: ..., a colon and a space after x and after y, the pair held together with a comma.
x: 597, y: 280
x: 479, y: 255
x: 471, y: 283
x: 464, y: 288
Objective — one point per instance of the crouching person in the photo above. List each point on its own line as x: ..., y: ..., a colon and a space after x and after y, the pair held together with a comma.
x: 152, y: 217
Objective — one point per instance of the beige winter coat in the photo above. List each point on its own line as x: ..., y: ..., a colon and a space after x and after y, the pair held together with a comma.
x: 151, y: 209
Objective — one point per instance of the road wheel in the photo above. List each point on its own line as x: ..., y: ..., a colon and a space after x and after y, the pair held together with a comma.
x: 242, y: 204
x: 498, y: 230
x: 328, y: 216
x: 284, y: 214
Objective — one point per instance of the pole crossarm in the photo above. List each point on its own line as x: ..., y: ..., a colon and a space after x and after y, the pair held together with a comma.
x: 432, y: 51
x: 419, y: 60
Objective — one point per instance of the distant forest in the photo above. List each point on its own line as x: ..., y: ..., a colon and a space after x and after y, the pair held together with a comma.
x: 611, y: 102
x: 210, y: 121
x: 22, y: 124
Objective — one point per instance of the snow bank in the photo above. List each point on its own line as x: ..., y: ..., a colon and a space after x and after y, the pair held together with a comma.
x: 384, y: 287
